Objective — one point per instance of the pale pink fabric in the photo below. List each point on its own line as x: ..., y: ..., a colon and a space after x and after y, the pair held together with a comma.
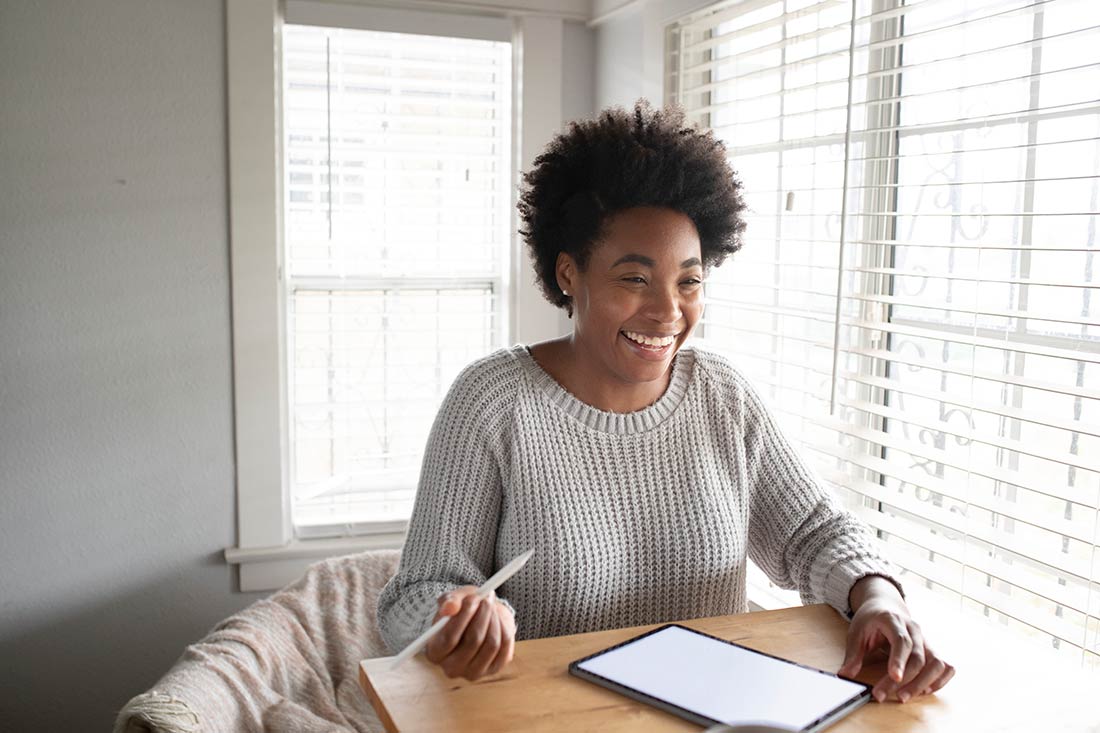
x: 289, y: 662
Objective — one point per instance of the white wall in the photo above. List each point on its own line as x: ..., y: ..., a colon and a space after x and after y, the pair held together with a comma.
x: 619, y: 76
x: 116, y: 424
x: 630, y: 49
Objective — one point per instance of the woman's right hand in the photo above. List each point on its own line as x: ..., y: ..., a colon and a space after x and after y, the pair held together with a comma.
x: 478, y: 640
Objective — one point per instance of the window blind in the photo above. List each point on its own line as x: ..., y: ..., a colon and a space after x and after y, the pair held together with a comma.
x: 397, y: 217
x: 918, y: 293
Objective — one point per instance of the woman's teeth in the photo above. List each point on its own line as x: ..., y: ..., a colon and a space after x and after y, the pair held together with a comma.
x: 649, y: 340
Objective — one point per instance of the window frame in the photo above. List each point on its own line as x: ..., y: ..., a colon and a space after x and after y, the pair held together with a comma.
x: 267, y: 552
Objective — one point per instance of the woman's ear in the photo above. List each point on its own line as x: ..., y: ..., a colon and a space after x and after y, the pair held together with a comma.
x: 566, y: 270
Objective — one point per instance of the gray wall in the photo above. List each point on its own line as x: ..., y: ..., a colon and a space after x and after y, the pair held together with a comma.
x: 116, y: 421
x: 578, y: 95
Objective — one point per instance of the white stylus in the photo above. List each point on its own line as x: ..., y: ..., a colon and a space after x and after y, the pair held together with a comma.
x: 486, y: 588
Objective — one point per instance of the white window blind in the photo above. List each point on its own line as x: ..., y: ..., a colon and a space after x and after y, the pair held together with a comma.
x: 397, y: 211
x: 918, y: 294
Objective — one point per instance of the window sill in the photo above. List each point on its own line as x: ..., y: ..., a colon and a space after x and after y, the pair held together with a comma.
x: 271, y: 568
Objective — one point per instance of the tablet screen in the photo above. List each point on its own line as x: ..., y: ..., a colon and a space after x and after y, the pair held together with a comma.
x: 721, y: 681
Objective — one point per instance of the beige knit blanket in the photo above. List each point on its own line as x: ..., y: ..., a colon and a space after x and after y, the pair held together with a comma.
x: 286, y: 663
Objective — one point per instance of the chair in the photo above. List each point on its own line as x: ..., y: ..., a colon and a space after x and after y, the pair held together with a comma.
x: 288, y: 662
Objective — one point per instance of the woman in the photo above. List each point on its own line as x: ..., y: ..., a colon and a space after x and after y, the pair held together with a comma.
x: 642, y: 472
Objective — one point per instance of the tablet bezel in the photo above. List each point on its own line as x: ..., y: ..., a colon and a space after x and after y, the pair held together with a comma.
x: 858, y: 699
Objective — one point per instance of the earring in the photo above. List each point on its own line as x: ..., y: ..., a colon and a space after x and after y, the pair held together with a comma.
x: 565, y: 294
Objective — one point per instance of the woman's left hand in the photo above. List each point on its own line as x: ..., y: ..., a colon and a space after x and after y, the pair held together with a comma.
x: 882, y: 621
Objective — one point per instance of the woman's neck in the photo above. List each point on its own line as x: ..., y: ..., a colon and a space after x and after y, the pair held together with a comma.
x: 590, y: 381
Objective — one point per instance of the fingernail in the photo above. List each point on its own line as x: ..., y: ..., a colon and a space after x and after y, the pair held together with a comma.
x: 880, y: 695
x: 903, y: 696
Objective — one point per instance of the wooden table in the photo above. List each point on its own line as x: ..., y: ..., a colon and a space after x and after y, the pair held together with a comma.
x: 536, y: 693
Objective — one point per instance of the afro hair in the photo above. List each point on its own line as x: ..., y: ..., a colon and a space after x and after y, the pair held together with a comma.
x: 619, y: 161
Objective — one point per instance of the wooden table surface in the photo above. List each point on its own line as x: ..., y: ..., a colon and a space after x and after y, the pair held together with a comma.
x: 537, y: 693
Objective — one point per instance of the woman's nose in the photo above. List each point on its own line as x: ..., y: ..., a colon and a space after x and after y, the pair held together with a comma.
x: 664, y: 305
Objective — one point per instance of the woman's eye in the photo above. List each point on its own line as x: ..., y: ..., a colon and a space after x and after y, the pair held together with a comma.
x: 693, y: 281
x: 634, y: 279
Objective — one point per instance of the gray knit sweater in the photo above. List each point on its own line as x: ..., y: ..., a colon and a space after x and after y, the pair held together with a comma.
x: 635, y: 518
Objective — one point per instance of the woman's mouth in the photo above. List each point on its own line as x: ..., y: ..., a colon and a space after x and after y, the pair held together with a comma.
x: 649, y: 346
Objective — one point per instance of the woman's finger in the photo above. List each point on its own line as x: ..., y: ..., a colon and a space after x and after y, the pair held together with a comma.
x: 917, y: 657
x: 928, y: 674
x: 501, y: 659
x: 948, y: 673
x: 507, y: 641
x: 883, y: 687
x: 448, y: 606
x: 487, y: 652
x: 445, y: 641
x: 901, y: 646
x: 450, y: 603
x: 458, y: 661
x: 853, y: 653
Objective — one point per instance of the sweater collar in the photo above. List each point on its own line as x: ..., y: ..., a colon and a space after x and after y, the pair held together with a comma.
x: 622, y: 423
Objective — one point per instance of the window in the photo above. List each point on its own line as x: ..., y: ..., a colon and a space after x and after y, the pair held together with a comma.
x: 288, y: 273
x: 398, y: 213
x: 918, y: 295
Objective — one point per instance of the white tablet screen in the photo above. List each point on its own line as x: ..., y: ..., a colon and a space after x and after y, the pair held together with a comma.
x: 721, y: 681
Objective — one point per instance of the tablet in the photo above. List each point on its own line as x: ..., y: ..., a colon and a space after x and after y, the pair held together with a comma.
x: 710, y: 680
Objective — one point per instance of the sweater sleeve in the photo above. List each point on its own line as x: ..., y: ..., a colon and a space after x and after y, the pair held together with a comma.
x: 452, y: 532
x: 799, y: 534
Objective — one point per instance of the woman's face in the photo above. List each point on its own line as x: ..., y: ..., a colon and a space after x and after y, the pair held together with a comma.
x: 641, y: 294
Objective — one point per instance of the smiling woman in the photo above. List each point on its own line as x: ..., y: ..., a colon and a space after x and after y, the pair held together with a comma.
x: 634, y: 305
x: 642, y: 472
x: 623, y: 216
